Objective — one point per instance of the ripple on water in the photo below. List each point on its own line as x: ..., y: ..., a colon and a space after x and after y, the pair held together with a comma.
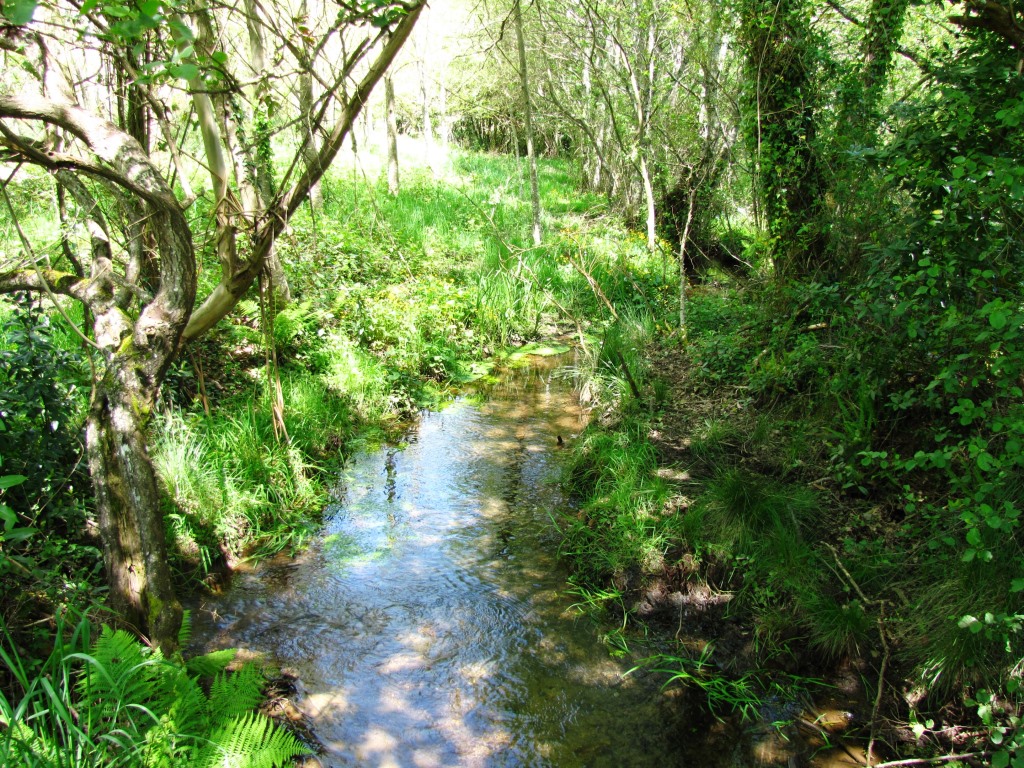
x: 429, y: 625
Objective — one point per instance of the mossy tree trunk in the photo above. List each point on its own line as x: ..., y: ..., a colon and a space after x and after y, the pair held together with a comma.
x: 135, y: 352
x: 781, y: 56
x: 128, y: 505
x: 138, y: 329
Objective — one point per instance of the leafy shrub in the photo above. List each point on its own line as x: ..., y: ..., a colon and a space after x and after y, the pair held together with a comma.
x: 40, y: 413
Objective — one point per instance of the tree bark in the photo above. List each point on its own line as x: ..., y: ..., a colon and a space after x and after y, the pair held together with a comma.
x: 389, y: 109
x: 128, y: 504
x: 136, y: 356
x: 531, y: 155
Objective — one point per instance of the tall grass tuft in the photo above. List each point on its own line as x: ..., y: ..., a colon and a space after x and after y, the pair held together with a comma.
x: 619, y: 527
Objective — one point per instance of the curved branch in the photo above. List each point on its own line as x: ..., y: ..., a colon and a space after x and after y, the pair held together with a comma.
x: 129, y: 164
x: 157, y: 332
x: 34, y: 152
x: 227, y: 293
x: 64, y: 283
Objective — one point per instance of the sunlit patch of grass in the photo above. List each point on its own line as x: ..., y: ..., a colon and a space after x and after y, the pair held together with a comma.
x: 619, y: 526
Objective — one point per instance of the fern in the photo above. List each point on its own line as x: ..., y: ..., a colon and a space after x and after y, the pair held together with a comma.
x: 251, y: 740
x: 115, y: 674
x: 121, y: 704
x: 210, y: 664
x: 185, y: 633
x: 236, y: 694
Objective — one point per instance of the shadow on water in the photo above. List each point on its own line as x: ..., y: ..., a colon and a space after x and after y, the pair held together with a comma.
x: 429, y: 624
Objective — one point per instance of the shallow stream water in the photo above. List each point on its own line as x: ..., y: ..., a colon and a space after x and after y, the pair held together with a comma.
x: 430, y: 625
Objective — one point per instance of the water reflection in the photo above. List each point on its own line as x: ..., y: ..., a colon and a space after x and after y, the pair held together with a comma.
x: 429, y: 628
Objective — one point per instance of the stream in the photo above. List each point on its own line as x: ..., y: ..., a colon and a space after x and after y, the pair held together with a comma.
x: 430, y: 625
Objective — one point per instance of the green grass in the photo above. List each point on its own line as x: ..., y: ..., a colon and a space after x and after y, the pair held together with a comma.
x: 619, y: 527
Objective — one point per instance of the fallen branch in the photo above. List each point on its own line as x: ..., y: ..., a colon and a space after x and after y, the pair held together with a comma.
x: 933, y: 760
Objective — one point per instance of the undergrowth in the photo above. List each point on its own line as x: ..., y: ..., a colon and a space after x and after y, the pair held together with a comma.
x: 110, y: 701
x: 803, y: 485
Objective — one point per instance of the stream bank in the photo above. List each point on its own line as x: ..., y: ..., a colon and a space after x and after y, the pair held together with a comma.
x: 429, y: 624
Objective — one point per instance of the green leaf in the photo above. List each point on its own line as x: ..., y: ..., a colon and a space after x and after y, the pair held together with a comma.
x: 1000, y: 759
x: 9, y: 481
x: 969, y: 621
x: 184, y: 71
x: 997, y: 319
x: 19, y: 12
x: 181, y: 32
x: 1017, y: 585
x: 219, y: 57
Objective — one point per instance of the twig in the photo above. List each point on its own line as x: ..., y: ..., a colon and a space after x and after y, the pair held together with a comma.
x: 885, y: 649
x: 594, y: 286
x: 934, y: 760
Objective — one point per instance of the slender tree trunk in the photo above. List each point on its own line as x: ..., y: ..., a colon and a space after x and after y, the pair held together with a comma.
x: 652, y: 214
x: 531, y: 154
x: 236, y: 281
x: 428, y: 128
x: 305, y: 86
x: 683, y: 240
x: 389, y: 114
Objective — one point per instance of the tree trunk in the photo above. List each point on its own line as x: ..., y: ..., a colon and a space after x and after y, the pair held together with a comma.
x: 428, y: 128
x: 652, y: 214
x: 128, y: 505
x: 859, y: 114
x: 780, y: 48
x: 531, y: 154
x: 389, y: 109
x: 305, y: 86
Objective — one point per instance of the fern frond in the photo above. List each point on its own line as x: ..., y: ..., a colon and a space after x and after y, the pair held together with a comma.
x: 185, y: 633
x: 115, y: 672
x: 210, y: 664
x: 252, y: 741
x: 236, y: 693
